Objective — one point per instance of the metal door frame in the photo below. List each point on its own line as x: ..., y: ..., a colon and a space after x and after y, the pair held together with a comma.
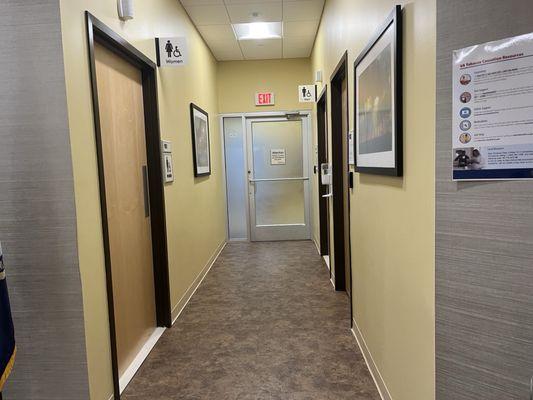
x: 293, y: 231
x: 306, y: 116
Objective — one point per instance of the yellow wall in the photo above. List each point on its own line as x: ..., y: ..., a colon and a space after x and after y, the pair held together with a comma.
x: 238, y: 81
x: 194, y: 207
x: 392, y: 219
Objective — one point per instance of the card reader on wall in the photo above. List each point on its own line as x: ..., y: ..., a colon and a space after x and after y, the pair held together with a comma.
x: 325, y: 177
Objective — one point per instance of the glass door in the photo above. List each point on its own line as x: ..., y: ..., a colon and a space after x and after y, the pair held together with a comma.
x: 278, y: 181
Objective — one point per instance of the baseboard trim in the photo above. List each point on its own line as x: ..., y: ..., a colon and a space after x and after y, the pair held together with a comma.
x: 326, y: 260
x: 130, y: 372
x: 316, y: 245
x: 372, y: 367
x: 177, y: 310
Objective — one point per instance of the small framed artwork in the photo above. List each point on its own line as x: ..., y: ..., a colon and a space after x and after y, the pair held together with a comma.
x: 200, y: 141
x: 167, y: 167
x: 378, y: 144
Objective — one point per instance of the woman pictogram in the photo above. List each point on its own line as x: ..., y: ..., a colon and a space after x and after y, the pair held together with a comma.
x: 169, y: 48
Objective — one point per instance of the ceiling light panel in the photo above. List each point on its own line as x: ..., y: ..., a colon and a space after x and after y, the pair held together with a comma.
x: 264, y: 12
x: 258, y: 30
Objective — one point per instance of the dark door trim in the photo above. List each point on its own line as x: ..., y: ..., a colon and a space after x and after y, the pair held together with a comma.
x: 97, y: 32
x: 322, y: 144
x: 342, y: 255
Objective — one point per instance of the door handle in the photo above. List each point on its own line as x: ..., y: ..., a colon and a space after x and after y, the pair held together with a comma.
x: 146, y: 194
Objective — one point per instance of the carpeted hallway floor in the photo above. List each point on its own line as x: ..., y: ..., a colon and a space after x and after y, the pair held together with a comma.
x: 265, y: 324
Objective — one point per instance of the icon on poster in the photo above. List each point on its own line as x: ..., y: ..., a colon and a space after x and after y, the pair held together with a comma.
x: 468, y: 158
x: 465, y: 125
x: 465, y: 138
x: 465, y: 112
x: 465, y: 97
x: 465, y: 79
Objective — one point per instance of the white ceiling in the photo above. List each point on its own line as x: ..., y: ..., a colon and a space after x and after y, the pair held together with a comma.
x: 213, y: 18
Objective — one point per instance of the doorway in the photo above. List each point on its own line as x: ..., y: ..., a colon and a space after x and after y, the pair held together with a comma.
x: 131, y: 197
x: 267, y: 175
x: 278, y: 179
x: 323, y: 200
x: 341, y: 174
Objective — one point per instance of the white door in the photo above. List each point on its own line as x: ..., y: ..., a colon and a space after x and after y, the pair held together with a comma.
x: 278, y: 178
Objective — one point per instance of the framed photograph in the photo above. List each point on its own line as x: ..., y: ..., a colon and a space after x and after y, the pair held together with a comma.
x: 200, y: 141
x: 167, y: 167
x: 378, y: 144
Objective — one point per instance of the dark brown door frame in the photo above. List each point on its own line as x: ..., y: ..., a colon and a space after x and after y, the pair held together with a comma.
x: 341, y: 253
x: 322, y: 142
x: 99, y: 33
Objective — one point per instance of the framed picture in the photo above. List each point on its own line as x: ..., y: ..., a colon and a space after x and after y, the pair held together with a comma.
x: 200, y: 141
x: 378, y: 144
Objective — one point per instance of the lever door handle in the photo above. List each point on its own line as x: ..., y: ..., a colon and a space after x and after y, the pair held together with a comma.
x: 146, y: 193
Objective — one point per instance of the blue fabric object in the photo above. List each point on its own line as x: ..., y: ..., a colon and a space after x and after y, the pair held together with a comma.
x: 7, y: 332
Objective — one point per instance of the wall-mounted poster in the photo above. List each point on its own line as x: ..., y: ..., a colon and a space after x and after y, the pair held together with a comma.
x: 492, y: 129
x: 378, y: 101
x: 200, y: 141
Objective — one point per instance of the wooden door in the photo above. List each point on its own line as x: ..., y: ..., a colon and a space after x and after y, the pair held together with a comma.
x: 120, y: 99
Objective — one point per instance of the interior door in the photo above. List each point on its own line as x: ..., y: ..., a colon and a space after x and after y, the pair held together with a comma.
x: 120, y: 99
x: 278, y: 179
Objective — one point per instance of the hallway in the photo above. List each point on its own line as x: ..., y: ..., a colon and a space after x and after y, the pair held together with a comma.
x: 265, y: 324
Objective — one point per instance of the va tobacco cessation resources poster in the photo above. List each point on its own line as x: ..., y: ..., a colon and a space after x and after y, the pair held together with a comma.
x: 492, y: 133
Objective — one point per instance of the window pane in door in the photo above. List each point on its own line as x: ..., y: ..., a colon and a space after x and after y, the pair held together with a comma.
x: 279, y: 202
x: 277, y: 149
x: 235, y: 177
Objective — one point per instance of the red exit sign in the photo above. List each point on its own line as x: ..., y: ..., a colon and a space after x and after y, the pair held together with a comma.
x: 264, y: 99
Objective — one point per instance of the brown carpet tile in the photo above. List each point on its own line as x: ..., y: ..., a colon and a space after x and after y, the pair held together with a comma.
x: 265, y: 324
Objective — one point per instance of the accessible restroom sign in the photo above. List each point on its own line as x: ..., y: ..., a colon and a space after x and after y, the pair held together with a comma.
x: 171, y: 52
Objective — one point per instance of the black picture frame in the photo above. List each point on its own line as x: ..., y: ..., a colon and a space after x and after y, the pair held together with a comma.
x: 394, y: 22
x: 200, y: 170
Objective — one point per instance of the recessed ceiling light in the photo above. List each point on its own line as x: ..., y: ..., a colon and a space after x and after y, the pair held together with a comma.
x: 258, y: 30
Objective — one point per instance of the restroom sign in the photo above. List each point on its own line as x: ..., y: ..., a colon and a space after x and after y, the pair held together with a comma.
x: 264, y: 99
x: 307, y: 93
x: 171, y: 52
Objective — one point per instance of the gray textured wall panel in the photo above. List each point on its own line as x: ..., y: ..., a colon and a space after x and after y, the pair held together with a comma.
x: 484, y: 237
x: 37, y: 211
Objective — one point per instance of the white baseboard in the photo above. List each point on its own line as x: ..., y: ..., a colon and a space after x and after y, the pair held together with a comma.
x: 176, y: 311
x: 130, y: 372
x: 326, y: 260
x: 316, y: 245
x: 372, y: 367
